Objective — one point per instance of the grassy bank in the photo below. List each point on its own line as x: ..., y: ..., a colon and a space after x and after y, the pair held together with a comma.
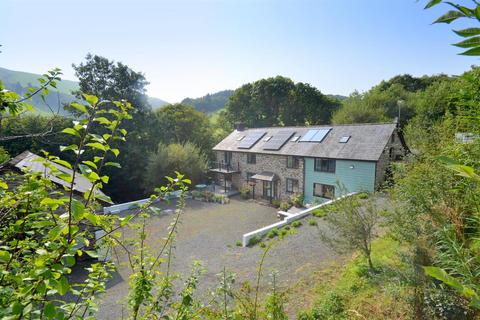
x: 351, y: 292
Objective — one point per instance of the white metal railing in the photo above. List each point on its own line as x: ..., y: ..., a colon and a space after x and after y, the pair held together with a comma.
x: 287, y: 219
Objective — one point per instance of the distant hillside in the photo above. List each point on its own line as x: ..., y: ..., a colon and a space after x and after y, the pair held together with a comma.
x: 19, y: 82
x: 156, y: 103
x: 209, y: 103
x: 337, y: 96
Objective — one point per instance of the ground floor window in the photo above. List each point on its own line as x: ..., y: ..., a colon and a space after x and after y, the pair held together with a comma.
x: 323, y: 190
x: 291, y: 185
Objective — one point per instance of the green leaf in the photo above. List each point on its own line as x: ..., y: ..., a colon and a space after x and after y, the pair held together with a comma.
x: 126, y: 220
x: 71, y: 131
x: 63, y: 286
x: 468, y: 43
x: 69, y: 260
x: 17, y: 307
x: 449, y: 17
x: 49, y: 310
x: 96, y: 145
x: 63, y: 163
x: 90, y: 163
x: 105, y: 179
x: 93, y: 218
x: 472, y: 52
x: 79, y: 107
x: 466, y: 11
x: 92, y: 253
x: 77, y: 209
x: 3, y: 185
x: 468, y: 32
x: 463, y: 171
x: 432, y: 3
x: 70, y: 147
x: 103, y: 120
x: 116, y: 152
x: 443, y: 276
x: 103, y: 198
x: 5, y: 256
x: 90, y: 99
x: 64, y: 177
x: 447, y: 160
x: 84, y: 169
x: 93, y: 176
x: 113, y: 164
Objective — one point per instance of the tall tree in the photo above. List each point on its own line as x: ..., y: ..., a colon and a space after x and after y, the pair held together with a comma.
x: 116, y: 81
x: 278, y: 102
x: 178, y: 123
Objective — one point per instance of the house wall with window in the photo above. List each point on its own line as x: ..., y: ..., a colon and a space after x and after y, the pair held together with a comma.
x: 352, y: 175
x: 284, y: 167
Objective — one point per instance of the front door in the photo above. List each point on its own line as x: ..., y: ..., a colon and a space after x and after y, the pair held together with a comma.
x: 270, y: 189
x: 267, y: 189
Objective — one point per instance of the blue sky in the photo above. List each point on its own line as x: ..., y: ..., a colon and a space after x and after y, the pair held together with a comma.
x: 190, y: 48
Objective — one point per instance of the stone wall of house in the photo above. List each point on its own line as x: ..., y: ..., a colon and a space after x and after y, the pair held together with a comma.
x: 265, y: 162
x: 397, y: 151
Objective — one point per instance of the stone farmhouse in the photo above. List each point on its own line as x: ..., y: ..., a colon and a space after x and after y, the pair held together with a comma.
x: 320, y: 162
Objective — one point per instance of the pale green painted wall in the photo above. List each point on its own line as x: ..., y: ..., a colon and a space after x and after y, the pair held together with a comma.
x: 360, y: 178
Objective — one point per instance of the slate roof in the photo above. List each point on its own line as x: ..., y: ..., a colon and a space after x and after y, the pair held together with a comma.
x: 26, y: 161
x: 367, y: 141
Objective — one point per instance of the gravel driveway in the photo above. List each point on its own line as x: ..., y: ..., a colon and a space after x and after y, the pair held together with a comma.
x: 208, y: 233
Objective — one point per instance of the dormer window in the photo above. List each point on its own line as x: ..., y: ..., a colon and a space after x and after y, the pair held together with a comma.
x: 344, y: 139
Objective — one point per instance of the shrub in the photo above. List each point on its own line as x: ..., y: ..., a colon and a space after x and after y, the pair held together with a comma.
x: 284, y: 206
x: 253, y: 241
x: 283, y: 232
x: 332, y: 307
x: 244, y: 192
x: 362, y: 195
x: 197, y: 194
x: 296, y: 224
x: 238, y: 243
x: 312, y: 222
x: 272, y: 233
x: 262, y: 245
x: 320, y: 212
x: 297, y: 200
x: 276, y: 203
x: 287, y: 227
x: 188, y: 158
x: 209, y: 196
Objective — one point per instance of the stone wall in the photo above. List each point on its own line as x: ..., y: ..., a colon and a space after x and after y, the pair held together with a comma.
x: 386, y: 158
x: 265, y: 162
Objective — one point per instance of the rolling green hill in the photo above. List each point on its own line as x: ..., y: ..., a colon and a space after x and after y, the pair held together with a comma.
x: 210, y: 102
x: 19, y: 82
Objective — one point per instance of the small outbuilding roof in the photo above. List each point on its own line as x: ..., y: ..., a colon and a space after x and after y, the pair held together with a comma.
x: 351, y: 141
x: 28, y: 161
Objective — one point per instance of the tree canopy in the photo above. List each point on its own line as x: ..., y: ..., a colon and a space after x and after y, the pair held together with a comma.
x: 279, y: 102
x: 179, y: 123
x: 111, y: 80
